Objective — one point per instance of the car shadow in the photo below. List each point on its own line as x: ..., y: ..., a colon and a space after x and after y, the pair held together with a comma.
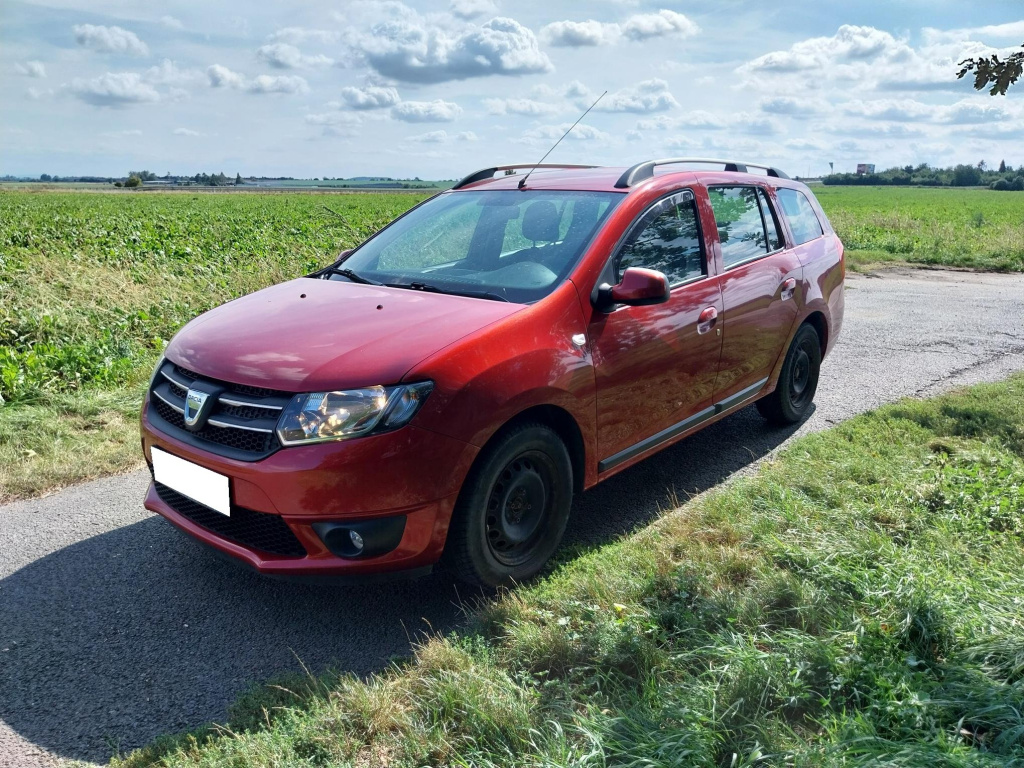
x: 139, y: 631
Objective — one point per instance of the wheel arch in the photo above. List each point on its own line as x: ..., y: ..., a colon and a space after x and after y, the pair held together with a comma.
x: 563, y: 424
x: 817, y: 320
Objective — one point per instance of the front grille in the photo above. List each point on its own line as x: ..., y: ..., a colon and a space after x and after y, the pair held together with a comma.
x: 241, y: 424
x: 254, y: 530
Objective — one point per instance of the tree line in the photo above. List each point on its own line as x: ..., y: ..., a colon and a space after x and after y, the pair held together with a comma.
x: 1004, y: 178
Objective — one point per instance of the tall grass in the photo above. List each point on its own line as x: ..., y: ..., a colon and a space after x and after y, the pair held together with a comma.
x: 857, y: 602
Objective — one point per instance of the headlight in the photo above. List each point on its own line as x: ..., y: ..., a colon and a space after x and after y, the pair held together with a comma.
x: 323, y: 416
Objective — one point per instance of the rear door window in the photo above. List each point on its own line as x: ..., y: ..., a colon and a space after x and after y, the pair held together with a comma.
x: 803, y: 221
x: 666, y: 238
x: 741, y: 228
x: 771, y: 223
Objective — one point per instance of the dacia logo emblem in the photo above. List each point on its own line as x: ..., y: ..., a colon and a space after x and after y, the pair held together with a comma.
x: 195, y: 401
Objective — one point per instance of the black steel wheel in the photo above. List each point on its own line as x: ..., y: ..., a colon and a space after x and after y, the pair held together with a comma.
x: 512, y: 511
x: 798, y: 380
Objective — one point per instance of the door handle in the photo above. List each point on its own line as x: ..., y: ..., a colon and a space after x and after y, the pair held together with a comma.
x: 788, y: 287
x: 706, y: 319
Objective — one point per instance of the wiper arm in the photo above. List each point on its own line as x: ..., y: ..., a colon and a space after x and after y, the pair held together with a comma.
x: 355, y: 277
x: 428, y: 288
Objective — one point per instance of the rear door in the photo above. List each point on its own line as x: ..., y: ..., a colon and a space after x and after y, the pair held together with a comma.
x: 655, y: 365
x: 760, y: 281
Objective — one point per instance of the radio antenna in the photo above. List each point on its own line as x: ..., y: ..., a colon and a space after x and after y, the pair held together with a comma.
x: 522, y: 182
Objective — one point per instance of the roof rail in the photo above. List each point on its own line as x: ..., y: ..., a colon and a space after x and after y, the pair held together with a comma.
x: 645, y: 170
x: 487, y: 173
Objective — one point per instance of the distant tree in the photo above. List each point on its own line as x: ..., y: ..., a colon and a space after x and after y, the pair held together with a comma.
x: 133, y: 181
x: 238, y: 180
x: 1002, y: 166
x: 982, y: 166
x: 45, y: 177
x: 966, y: 176
x: 118, y: 184
x: 991, y: 71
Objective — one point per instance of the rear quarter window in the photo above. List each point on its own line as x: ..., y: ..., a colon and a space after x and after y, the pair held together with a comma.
x: 799, y: 212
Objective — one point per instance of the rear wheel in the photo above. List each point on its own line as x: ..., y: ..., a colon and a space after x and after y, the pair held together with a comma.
x: 798, y: 380
x: 512, y: 512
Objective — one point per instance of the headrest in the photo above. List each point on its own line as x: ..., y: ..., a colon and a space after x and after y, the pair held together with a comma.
x: 540, y: 221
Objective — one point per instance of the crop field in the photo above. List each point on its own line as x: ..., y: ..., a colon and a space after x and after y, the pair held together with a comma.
x: 92, y: 285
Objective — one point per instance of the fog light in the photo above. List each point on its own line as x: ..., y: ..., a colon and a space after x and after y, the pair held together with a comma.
x: 363, y: 538
x: 357, y: 540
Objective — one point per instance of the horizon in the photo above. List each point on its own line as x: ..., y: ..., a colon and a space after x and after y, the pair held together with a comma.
x: 407, y: 90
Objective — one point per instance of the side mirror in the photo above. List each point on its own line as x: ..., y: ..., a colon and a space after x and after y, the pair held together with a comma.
x: 343, y: 254
x: 638, y: 287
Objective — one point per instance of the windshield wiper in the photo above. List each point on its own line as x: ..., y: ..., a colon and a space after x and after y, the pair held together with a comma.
x: 355, y: 277
x: 428, y: 288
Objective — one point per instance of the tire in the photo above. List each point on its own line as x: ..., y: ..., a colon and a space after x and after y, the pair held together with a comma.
x: 512, y: 510
x: 798, y: 380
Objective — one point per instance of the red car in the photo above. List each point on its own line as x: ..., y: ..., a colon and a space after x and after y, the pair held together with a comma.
x: 442, y: 391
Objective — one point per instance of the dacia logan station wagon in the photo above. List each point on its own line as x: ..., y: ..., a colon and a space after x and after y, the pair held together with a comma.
x: 441, y: 391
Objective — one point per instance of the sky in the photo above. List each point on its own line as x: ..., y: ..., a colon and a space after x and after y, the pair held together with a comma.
x: 439, y: 89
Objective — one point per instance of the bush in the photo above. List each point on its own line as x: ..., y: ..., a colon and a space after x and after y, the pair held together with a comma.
x: 133, y: 181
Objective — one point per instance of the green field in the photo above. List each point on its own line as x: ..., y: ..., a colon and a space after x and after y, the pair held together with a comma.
x: 92, y: 285
x: 970, y: 228
x: 855, y: 603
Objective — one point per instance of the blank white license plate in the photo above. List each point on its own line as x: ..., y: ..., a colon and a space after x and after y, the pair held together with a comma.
x: 198, y: 483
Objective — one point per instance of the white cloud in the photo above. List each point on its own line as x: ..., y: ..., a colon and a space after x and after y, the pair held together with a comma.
x: 412, y: 50
x: 302, y: 35
x: 895, y: 110
x: 702, y: 120
x: 850, y: 45
x: 35, y: 94
x: 573, y: 34
x: 109, y: 40
x: 519, y: 107
x: 119, y: 134
x: 786, y: 105
x: 1013, y: 30
x: 466, y: 136
x: 648, y: 96
x: 370, y: 97
x: 114, y: 89
x: 470, y: 9
x: 277, y: 84
x: 436, y: 111
x: 286, y: 56
x: 647, y: 25
x: 171, y: 23
x: 168, y: 73
x: 221, y: 77
x: 432, y: 137
x: 581, y: 132
x: 31, y: 68
x: 186, y: 132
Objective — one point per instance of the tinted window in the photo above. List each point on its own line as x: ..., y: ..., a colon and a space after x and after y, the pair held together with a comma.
x: 515, y: 244
x: 801, y: 216
x: 740, y: 226
x: 667, y: 239
x: 771, y: 223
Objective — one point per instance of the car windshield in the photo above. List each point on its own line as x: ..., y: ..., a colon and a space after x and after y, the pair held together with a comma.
x: 508, y: 245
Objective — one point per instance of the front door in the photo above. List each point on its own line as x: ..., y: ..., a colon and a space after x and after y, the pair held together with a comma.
x: 656, y: 365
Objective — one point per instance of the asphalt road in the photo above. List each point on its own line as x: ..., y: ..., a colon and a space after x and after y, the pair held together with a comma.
x: 115, y: 628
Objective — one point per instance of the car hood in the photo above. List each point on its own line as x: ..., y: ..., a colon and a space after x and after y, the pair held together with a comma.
x: 311, y: 335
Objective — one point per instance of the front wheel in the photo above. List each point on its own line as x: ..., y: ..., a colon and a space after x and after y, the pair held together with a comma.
x: 798, y: 380
x: 512, y: 512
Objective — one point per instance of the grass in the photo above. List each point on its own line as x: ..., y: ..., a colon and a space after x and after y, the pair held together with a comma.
x: 966, y: 228
x: 856, y: 602
x: 93, y: 285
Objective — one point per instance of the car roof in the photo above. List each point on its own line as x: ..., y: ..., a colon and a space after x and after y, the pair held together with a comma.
x: 606, y: 178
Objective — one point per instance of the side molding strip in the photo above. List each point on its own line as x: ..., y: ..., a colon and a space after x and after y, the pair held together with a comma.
x: 676, y: 429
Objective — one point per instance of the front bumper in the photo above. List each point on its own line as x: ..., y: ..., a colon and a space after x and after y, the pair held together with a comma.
x: 413, y: 473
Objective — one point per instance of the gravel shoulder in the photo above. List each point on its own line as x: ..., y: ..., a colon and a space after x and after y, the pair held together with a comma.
x: 115, y: 628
